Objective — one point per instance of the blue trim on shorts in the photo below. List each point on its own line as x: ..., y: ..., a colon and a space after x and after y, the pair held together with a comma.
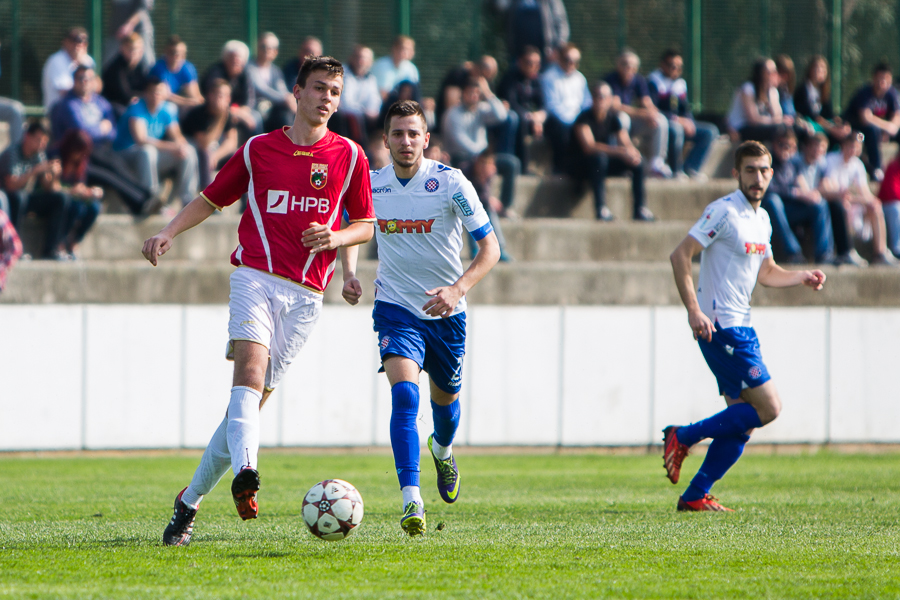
x: 482, y: 231
x: 437, y: 346
x: 735, y: 359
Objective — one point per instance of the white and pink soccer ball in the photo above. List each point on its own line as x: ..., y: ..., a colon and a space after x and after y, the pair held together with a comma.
x: 332, y: 509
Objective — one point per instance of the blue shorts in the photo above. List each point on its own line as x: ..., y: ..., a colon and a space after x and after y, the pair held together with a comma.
x: 437, y: 346
x: 734, y: 358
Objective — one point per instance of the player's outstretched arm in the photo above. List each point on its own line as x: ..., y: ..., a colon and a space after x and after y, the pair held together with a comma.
x: 772, y: 275
x: 444, y: 299
x: 681, y: 257
x: 196, y: 211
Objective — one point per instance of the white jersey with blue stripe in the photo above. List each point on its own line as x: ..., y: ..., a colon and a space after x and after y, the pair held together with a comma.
x: 419, y: 232
x: 736, y: 240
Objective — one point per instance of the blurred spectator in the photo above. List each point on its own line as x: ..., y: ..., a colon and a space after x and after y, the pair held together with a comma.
x: 793, y: 203
x: 390, y: 70
x: 521, y: 88
x: 812, y: 101
x: 600, y: 146
x: 450, y: 91
x: 275, y: 103
x: 502, y: 134
x: 566, y: 95
x: 481, y: 172
x: 669, y: 92
x: 310, y: 46
x: 211, y: 131
x: 465, y: 134
x: 151, y: 142
x: 539, y: 23
x: 846, y: 182
x: 125, y: 76
x: 889, y: 194
x: 84, y: 204
x: 873, y: 110
x: 10, y: 247
x: 56, y: 79
x: 634, y: 100
x: 756, y: 109
x: 435, y: 151
x: 130, y: 16
x: 233, y: 69
x: 28, y: 177
x: 179, y: 74
x: 360, y: 100
x: 405, y: 90
x: 13, y: 113
x: 787, y: 85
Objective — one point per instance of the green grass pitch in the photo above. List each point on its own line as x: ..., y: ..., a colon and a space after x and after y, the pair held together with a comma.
x: 528, y: 525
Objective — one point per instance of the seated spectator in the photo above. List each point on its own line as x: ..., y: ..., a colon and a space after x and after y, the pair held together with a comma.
x: 566, y: 95
x: 669, y: 92
x: 481, y: 173
x: 28, y: 179
x: 179, y: 74
x: 465, y: 134
x: 755, y: 112
x: 600, y: 146
x: 889, y: 194
x: 450, y: 89
x: 390, y: 70
x: 634, y: 100
x: 812, y: 101
x: 10, y: 247
x: 275, y: 103
x: 405, y: 90
x: 846, y: 182
x: 125, y: 76
x: 56, y: 78
x: 153, y: 146
x: 12, y: 112
x: 311, y: 46
x: 792, y: 203
x: 502, y: 135
x: 521, y: 88
x: 210, y: 130
x: 233, y: 69
x: 875, y: 111
x: 85, y: 201
x: 360, y: 100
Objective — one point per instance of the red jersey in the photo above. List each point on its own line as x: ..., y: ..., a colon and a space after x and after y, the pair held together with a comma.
x: 289, y: 187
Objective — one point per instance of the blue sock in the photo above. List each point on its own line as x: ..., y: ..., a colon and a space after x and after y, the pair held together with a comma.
x: 446, y: 422
x: 735, y: 420
x: 722, y: 454
x: 404, y: 434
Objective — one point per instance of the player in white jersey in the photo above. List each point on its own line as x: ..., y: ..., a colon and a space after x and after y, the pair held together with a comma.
x: 733, y: 238
x: 421, y: 207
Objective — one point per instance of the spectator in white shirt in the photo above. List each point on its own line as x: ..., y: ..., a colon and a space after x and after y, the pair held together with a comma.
x: 396, y: 67
x: 566, y: 95
x: 57, y: 77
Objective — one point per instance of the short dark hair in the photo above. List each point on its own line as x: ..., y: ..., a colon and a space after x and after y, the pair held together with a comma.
x: 403, y: 108
x: 528, y: 50
x: 217, y: 83
x: 81, y: 69
x: 318, y: 63
x: 788, y: 134
x: 37, y: 126
x: 881, y: 67
x: 174, y: 40
x: 818, y: 138
x: 152, y: 81
x: 670, y: 53
x: 752, y: 149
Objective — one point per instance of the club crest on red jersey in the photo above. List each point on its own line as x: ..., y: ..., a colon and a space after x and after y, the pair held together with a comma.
x: 319, y: 175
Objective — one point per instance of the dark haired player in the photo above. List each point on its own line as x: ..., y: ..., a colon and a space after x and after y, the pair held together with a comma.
x: 299, y: 180
x: 733, y: 238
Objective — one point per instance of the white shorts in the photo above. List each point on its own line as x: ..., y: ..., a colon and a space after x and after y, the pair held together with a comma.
x: 274, y: 312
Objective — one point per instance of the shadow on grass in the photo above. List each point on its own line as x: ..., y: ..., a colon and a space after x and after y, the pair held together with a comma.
x: 265, y: 554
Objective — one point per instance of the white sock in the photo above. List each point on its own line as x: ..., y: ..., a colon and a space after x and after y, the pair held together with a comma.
x: 411, y: 494
x: 242, y: 431
x: 440, y: 452
x: 213, y: 466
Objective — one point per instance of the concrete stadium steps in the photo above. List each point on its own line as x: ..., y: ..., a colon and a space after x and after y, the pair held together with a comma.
x: 520, y: 283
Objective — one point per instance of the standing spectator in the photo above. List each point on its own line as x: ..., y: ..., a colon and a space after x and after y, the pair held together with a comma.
x: 56, y: 79
x: 543, y: 24
x: 151, y: 142
x: 756, y: 108
x: 10, y: 247
x: 360, y: 100
x: 131, y: 16
x: 600, y: 146
x: 179, y: 74
x: 274, y: 101
x: 669, y: 92
x: 791, y: 203
x: 812, y: 101
x: 875, y: 111
x: 310, y: 46
x: 521, y: 89
x: 125, y: 76
x: 465, y: 130
x: 233, y: 69
x: 634, y: 100
x: 12, y: 112
x: 28, y: 177
x: 889, y: 194
x: 566, y: 95
x: 397, y: 66
x: 211, y: 131
x: 848, y: 184
x: 85, y: 201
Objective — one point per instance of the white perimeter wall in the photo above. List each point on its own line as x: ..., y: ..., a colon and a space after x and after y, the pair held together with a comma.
x: 100, y: 376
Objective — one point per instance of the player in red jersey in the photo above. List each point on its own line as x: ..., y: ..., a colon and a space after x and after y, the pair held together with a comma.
x: 299, y: 181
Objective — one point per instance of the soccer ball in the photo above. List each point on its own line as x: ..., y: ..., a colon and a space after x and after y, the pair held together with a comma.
x: 332, y: 509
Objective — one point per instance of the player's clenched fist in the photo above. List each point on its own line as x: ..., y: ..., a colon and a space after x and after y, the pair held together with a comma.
x: 155, y: 247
